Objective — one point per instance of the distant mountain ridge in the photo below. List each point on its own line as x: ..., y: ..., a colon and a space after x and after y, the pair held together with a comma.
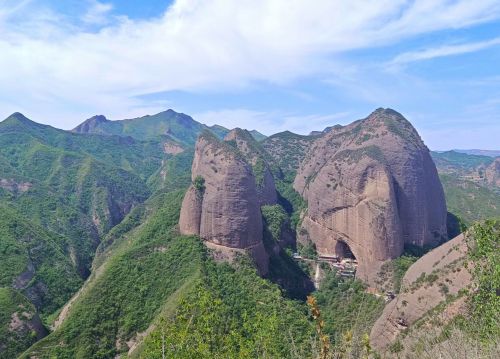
x: 471, y: 183
x: 490, y: 153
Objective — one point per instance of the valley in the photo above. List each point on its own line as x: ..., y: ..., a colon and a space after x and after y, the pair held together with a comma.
x: 161, y: 237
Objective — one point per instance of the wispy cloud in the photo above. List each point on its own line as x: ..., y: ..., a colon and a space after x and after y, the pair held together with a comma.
x: 98, y: 13
x: 442, y: 51
x: 60, y: 71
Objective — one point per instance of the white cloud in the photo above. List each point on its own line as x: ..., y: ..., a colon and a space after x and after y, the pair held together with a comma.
x: 98, y: 13
x: 446, y: 50
x: 60, y: 72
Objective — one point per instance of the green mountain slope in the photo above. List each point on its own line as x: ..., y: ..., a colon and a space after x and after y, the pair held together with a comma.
x: 20, y: 325
x: 470, y: 201
x: 462, y: 163
x: 152, y: 273
x: 167, y: 124
x: 128, y: 290
x: 75, y: 185
x: 468, y: 194
x: 36, y: 262
x: 60, y: 194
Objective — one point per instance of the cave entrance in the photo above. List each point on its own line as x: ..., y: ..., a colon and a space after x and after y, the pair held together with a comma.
x: 343, y: 251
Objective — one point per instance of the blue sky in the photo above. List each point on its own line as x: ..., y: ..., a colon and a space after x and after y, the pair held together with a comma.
x: 269, y: 65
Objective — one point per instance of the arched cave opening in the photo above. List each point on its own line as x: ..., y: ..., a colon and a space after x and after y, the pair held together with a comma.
x: 343, y: 251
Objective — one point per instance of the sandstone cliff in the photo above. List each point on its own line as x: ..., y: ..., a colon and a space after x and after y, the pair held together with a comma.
x: 257, y: 157
x: 371, y: 187
x: 222, y: 206
x: 428, y: 282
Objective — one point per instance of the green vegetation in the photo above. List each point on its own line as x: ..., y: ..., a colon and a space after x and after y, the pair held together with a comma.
x: 232, y: 313
x: 174, y: 173
x: 287, y: 149
x: 347, y: 308
x: 484, y: 252
x: 199, y: 184
x: 275, y: 218
x: 290, y: 200
x: 353, y: 156
x: 283, y: 270
x: 257, y: 135
x: 38, y: 259
x: 259, y: 171
x: 169, y: 123
x: 459, y: 162
x: 307, y: 250
x: 15, y: 309
x: 78, y: 186
x: 470, y: 201
x: 129, y: 289
x: 400, y: 266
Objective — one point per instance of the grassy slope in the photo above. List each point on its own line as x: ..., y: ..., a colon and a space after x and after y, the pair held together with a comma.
x: 347, y: 308
x: 54, y: 276
x: 232, y: 313
x: 130, y: 288
x: 178, y: 126
x: 468, y: 200
x: 466, y: 325
x: 459, y: 161
x: 77, y: 186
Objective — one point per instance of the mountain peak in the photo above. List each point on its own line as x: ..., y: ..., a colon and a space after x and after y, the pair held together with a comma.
x: 18, y: 116
x: 89, y: 125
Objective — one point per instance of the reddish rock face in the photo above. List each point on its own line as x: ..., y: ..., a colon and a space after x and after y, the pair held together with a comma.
x: 373, y: 186
x: 492, y: 173
x: 418, y: 297
x: 258, y: 158
x: 222, y: 206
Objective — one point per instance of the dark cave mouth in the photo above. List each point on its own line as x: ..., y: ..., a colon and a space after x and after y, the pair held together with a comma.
x: 343, y: 251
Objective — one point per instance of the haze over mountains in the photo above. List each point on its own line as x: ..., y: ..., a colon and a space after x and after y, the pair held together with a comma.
x: 118, y: 232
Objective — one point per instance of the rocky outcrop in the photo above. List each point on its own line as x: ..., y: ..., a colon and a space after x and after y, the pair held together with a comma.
x: 492, y: 173
x: 371, y: 187
x: 172, y: 148
x: 427, y: 283
x: 13, y: 186
x: 221, y: 206
x: 256, y: 156
x: 91, y: 125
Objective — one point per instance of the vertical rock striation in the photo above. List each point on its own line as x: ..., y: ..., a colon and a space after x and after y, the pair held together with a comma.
x: 258, y: 158
x: 222, y: 206
x: 371, y: 186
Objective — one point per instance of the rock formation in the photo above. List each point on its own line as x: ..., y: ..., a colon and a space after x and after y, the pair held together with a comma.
x: 371, y: 188
x: 492, y: 173
x: 426, y: 284
x: 222, y: 206
x: 91, y: 125
x: 259, y: 160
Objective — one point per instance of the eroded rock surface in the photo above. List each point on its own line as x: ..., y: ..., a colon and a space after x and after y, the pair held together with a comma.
x: 258, y: 158
x: 427, y: 283
x: 222, y: 206
x: 492, y: 173
x: 372, y: 186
